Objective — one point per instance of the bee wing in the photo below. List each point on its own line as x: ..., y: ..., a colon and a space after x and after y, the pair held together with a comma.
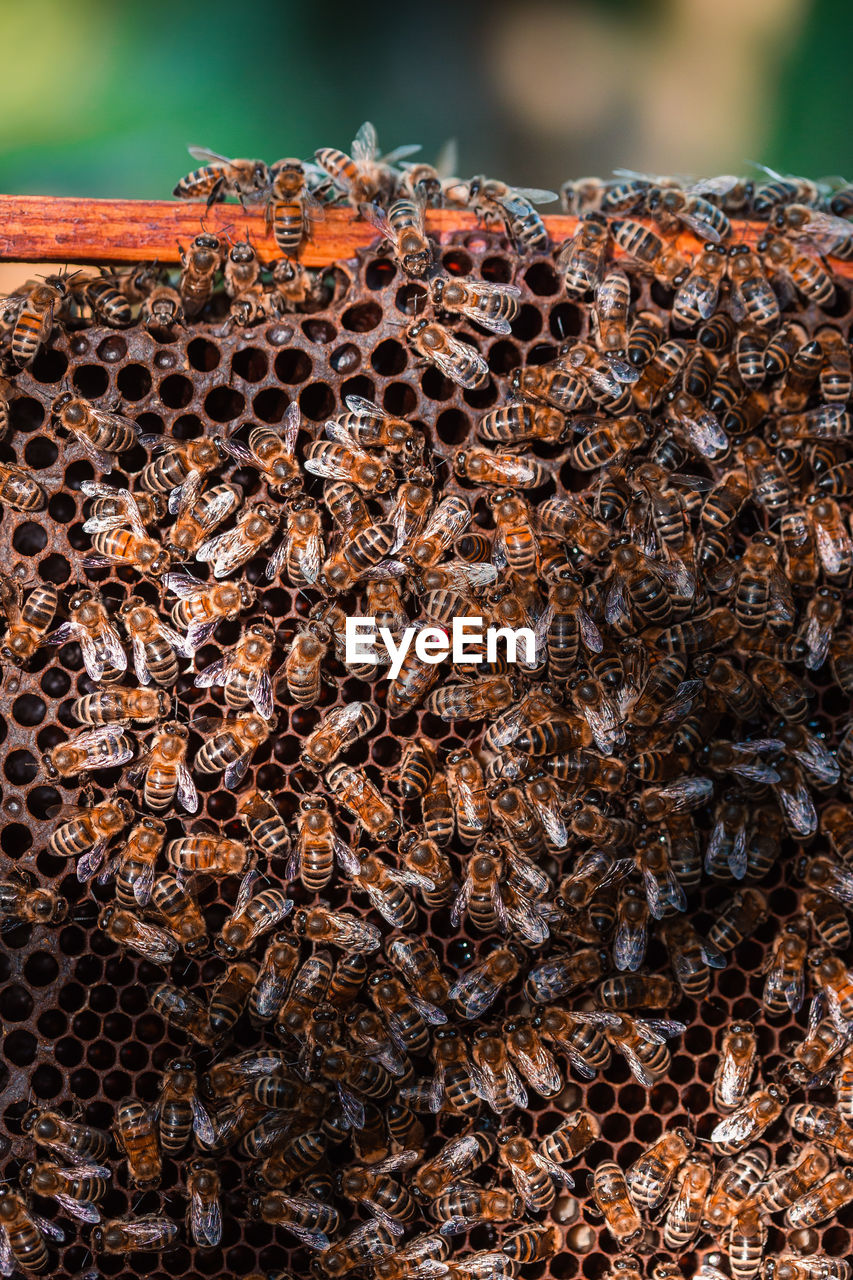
x: 153, y: 943
x: 658, y: 1030
x: 554, y: 1170
x: 695, y: 294
x: 259, y: 689
x: 143, y: 885
x: 629, y: 946
x: 216, y: 673
x: 815, y: 758
x: 356, y: 934
x: 701, y: 227
x: 818, y: 638
x: 535, y: 195
x: 88, y: 864
x: 337, y: 432
x: 198, y: 632
x: 446, y: 362
x: 244, y: 893
x: 704, y: 433
x: 734, y: 1129
x: 526, y: 920
x: 140, y: 662
x: 832, y: 550
x: 346, y: 856
x: 375, y: 215
x: 798, y: 807
x: 184, y: 585
x: 311, y: 1239
x: 638, y: 1070
x: 357, y: 404
x: 330, y: 468
x: 542, y: 1071
x: 365, y: 146
x: 402, y: 1160
x: 616, y: 607
x: 460, y: 902
x: 235, y: 771
x: 206, y: 156
x: 239, y: 452
x: 402, y: 153
x: 464, y: 989
x: 352, y: 1108
x: 103, y: 459
x: 548, y: 813
x: 205, y: 1221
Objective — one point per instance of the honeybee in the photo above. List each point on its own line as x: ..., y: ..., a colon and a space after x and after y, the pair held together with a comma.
x: 786, y: 1185
x: 33, y: 312
x: 271, y: 449
x: 791, y: 1266
x: 365, y: 175
x: 581, y: 259
x: 563, y: 972
x: 23, y: 1235
x: 531, y: 1170
x: 146, y: 940
x: 494, y: 201
x: 696, y: 297
x: 134, y: 864
x: 684, y: 1213
x: 21, y: 899
x: 232, y: 745
x: 300, y: 552
x: 64, y: 1138
x: 106, y: 747
x: 650, y: 252
x: 747, y: 1123
x: 370, y: 1242
x: 521, y: 421
x: 612, y: 1199
x: 100, y: 433
x: 265, y: 824
x: 464, y: 1205
x: 752, y: 297
x: 457, y: 360
x: 251, y: 916
x: 734, y: 1188
x: 204, y: 1215
x: 162, y: 309
x: 210, y: 855
x: 337, y: 928
x: 403, y: 227
x: 198, y: 513
x: 180, y: 1113
x: 292, y: 205
x: 122, y: 1235
x: 228, y: 551
x: 27, y: 621
x: 736, y: 1067
x: 87, y: 830
x: 476, y: 991
x: 202, y: 606
x: 277, y: 969
x: 89, y: 625
x: 184, y: 1011
x: 244, y: 671
x: 337, y: 731
x: 199, y: 265
x: 176, y: 460
x: 649, y: 1177
x: 833, y: 979
x: 785, y: 985
x: 20, y: 490
x: 354, y: 790
x: 821, y: 1202
x: 220, y: 177
x: 493, y: 306
x: 136, y: 1135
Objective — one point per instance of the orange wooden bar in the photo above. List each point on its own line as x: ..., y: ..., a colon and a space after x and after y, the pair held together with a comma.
x: 72, y: 229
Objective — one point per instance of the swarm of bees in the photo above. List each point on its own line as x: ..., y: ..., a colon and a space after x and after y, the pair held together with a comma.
x: 663, y: 502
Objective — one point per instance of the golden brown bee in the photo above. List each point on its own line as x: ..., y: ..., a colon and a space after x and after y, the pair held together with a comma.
x: 176, y: 460
x: 650, y: 252
x: 271, y: 449
x: 180, y: 1113
x: 122, y: 1235
x: 266, y: 826
x: 431, y: 869
x: 533, y: 1059
x: 365, y: 175
x: 372, y: 1185
x: 337, y: 731
x: 806, y: 273
x: 244, y: 671
x: 100, y: 433
x: 136, y: 935
x: 734, y: 1188
x: 482, y: 466
x: 229, y: 997
x: 697, y: 295
x: 179, y: 913
x: 21, y: 899
x: 613, y: 1201
x: 785, y: 985
x: 76, y: 1189
x: 563, y: 972
x: 749, y: 1121
x: 791, y: 1266
x: 33, y: 312
x: 100, y: 644
x: 27, y: 621
x: 494, y: 201
x: 533, y: 1173
x: 183, y: 1010
x: 753, y: 298
x: 251, y: 917
x: 220, y: 177
x: 103, y: 748
x: 821, y: 1202
x: 198, y: 513
x: 163, y: 770
x: 88, y: 829
x: 683, y: 1218
x: 210, y: 855
x: 202, y: 606
x: 337, y: 928
x: 464, y: 1206
x: 354, y: 790
x: 745, y: 1243
x: 292, y: 205
x: 786, y: 1185
x: 232, y: 745
x: 73, y: 1142
x: 458, y: 361
x: 204, y: 1215
x: 277, y: 968
x: 475, y: 991
x: 199, y: 265
x: 736, y: 1066
x: 24, y: 1236
x: 256, y: 524
x: 355, y: 557
x: 302, y: 665
x: 833, y: 979
x: 162, y: 309
x: 411, y: 1258
x: 493, y: 306
x: 649, y: 1177
x: 117, y: 706
x: 370, y: 1242
x: 403, y: 228
x: 636, y: 991
x: 136, y: 1134
x: 521, y: 421
x: 20, y: 490
x: 155, y: 645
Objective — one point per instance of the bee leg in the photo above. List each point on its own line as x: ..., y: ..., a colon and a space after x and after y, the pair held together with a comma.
x: 216, y: 193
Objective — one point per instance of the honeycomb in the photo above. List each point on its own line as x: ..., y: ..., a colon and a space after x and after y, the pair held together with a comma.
x: 78, y: 1030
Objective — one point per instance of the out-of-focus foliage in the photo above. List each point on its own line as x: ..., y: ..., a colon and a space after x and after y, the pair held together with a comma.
x: 102, y: 98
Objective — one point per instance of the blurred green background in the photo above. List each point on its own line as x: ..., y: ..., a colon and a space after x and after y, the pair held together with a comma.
x: 102, y: 98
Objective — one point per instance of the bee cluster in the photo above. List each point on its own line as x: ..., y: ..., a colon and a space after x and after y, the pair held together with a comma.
x: 405, y: 955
